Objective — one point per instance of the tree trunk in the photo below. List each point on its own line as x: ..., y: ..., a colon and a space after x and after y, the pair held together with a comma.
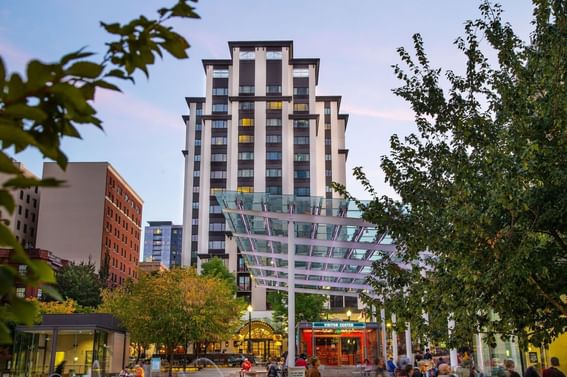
x: 170, y: 359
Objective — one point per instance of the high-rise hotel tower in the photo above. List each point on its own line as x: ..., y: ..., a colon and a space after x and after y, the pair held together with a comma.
x: 262, y: 128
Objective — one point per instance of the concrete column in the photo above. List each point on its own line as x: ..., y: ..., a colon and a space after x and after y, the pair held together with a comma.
x: 453, y: 352
x: 384, y: 334
x: 409, y: 351
x: 394, y: 339
x: 479, y: 355
x: 290, y: 294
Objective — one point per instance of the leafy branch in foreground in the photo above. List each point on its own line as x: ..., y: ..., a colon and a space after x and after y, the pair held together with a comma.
x: 49, y: 104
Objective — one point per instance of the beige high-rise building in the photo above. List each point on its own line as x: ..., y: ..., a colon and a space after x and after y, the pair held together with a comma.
x: 23, y: 221
x: 96, y: 215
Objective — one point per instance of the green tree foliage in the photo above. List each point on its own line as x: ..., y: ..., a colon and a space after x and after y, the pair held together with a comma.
x: 308, y: 307
x: 50, y: 103
x: 81, y: 283
x: 480, y: 222
x: 215, y: 268
x: 175, y: 307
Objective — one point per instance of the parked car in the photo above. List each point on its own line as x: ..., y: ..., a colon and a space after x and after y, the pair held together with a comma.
x: 236, y: 360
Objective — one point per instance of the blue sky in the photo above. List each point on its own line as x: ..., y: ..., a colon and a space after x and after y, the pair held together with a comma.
x: 144, y: 135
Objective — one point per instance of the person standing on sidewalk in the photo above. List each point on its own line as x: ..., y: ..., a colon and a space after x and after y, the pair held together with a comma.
x: 553, y: 370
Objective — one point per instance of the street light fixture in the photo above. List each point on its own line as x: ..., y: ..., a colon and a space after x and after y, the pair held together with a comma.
x: 250, y: 329
x: 348, y: 313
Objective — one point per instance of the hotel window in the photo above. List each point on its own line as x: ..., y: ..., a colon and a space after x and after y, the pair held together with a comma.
x: 327, y: 141
x: 273, y: 139
x: 273, y: 172
x: 301, y: 72
x: 20, y: 292
x: 199, y: 112
x: 301, y: 174
x: 197, y: 142
x: 194, y: 221
x: 328, y: 189
x: 197, y: 157
x: 273, y: 156
x: 301, y: 123
x: 327, y: 126
x: 197, y: 173
x: 220, y: 108
x: 245, y: 173
x: 274, y: 105
x: 216, y: 244
x: 273, y: 55
x: 196, y: 189
x: 300, y: 107
x: 275, y: 190
x: 246, y: 105
x: 22, y: 269
x: 194, y: 237
x: 245, y: 189
x: 195, y: 205
x: 302, y: 191
x: 218, y: 140
x: 218, y: 157
x: 220, y: 91
x: 246, y: 122
x: 301, y: 140
x: 214, y: 190
x: 245, y: 138
x: 273, y: 122
x: 273, y: 89
x: 301, y: 157
x: 219, y: 124
x: 216, y: 227
x: 301, y: 91
x: 246, y: 155
x: 247, y: 55
x: 246, y: 89
x: 218, y: 174
x: 220, y: 73
x: 328, y: 173
x: 327, y: 111
x: 328, y: 157
x: 198, y: 126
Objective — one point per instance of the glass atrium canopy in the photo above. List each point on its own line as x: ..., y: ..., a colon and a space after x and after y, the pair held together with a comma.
x: 334, y: 246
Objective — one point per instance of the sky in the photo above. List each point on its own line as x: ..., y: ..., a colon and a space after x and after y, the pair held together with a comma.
x: 144, y: 134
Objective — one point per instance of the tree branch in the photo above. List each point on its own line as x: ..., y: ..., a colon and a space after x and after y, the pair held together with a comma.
x: 558, y: 305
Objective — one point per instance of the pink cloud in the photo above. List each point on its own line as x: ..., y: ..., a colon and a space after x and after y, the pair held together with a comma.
x: 395, y: 115
x: 115, y: 105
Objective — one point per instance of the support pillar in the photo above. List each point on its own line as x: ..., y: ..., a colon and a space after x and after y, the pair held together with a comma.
x: 384, y: 334
x: 394, y: 339
x: 290, y: 294
x: 453, y: 352
x: 479, y: 354
x: 409, y: 350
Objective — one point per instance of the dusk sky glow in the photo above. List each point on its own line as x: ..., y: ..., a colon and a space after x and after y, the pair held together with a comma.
x: 144, y: 133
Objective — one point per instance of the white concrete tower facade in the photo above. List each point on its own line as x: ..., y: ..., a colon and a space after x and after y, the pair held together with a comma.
x: 260, y: 128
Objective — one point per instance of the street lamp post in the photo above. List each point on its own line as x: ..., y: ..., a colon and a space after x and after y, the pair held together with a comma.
x: 250, y: 329
x: 348, y: 313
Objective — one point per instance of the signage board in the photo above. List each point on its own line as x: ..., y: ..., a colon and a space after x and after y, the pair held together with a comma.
x: 296, y: 372
x: 532, y: 356
x: 156, y: 364
x: 338, y: 325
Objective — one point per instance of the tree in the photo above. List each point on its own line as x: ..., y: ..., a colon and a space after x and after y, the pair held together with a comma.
x: 50, y: 103
x: 173, y: 308
x: 81, y: 283
x: 308, y: 307
x: 215, y: 268
x: 480, y: 223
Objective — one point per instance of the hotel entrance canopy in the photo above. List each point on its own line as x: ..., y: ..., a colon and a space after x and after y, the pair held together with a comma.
x: 333, y: 247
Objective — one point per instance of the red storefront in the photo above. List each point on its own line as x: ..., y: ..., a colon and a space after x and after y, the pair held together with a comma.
x: 340, y: 343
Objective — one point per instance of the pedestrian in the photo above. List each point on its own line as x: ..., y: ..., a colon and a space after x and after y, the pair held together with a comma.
x: 510, y: 372
x: 139, y: 372
x: 427, y: 355
x: 314, y: 370
x: 553, y: 370
x: 532, y: 371
x: 444, y: 370
x: 380, y: 368
x: 301, y: 361
x: 272, y: 368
